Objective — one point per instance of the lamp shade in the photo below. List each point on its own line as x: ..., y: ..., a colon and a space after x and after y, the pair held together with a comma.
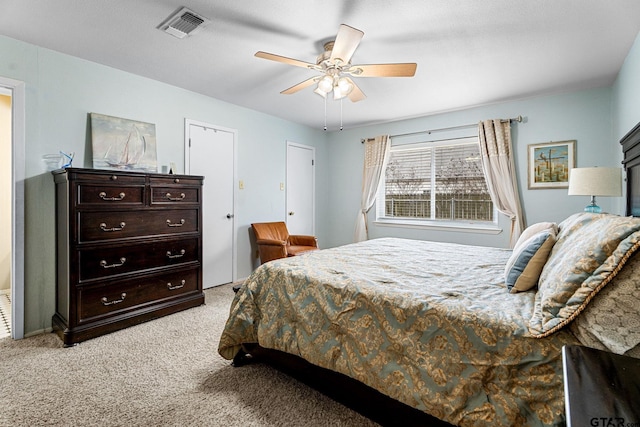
x: 595, y: 182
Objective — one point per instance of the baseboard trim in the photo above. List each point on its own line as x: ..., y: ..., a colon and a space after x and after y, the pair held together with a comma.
x: 39, y: 332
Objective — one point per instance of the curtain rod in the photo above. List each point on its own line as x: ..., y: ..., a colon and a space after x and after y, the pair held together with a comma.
x: 515, y: 119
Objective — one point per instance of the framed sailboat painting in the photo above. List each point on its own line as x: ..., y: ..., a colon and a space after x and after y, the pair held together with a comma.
x: 123, y: 144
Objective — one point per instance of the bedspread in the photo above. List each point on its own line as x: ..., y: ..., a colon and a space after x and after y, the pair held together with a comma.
x: 429, y: 324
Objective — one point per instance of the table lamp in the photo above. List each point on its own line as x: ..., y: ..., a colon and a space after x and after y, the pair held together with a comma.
x: 594, y: 182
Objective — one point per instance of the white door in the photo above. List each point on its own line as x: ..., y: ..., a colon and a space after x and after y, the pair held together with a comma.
x: 300, y: 189
x: 210, y: 153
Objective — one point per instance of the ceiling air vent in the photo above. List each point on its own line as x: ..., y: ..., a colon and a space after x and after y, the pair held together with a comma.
x: 183, y: 23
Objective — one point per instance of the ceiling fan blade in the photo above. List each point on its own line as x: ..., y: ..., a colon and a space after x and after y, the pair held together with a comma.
x: 300, y: 86
x: 356, y: 94
x: 347, y: 41
x: 407, y: 69
x: 285, y: 60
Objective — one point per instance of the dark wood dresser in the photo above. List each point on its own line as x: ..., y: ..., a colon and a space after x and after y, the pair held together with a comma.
x: 129, y: 249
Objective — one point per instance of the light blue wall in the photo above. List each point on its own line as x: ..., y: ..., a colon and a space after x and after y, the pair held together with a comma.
x: 582, y: 116
x: 626, y: 96
x: 626, y: 102
x: 60, y: 92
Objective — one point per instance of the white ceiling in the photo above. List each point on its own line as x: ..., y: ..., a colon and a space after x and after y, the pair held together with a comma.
x: 469, y: 52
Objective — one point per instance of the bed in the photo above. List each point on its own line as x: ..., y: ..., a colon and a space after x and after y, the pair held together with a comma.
x: 469, y: 335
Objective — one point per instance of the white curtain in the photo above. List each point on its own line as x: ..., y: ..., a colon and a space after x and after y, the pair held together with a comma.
x: 376, y: 152
x: 500, y: 172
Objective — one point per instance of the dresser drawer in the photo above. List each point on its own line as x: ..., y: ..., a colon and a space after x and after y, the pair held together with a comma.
x: 120, y: 195
x: 101, y: 301
x: 106, y: 177
x: 175, y: 180
x: 104, y: 263
x: 174, y: 195
x: 109, y: 225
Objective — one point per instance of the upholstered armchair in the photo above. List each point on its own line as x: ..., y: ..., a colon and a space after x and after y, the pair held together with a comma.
x: 274, y: 241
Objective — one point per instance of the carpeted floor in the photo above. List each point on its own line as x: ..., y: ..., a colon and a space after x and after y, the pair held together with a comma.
x: 166, y: 372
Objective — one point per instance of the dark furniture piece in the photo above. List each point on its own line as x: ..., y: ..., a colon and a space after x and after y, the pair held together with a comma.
x: 129, y: 249
x: 274, y: 241
x: 631, y: 162
x: 600, y: 388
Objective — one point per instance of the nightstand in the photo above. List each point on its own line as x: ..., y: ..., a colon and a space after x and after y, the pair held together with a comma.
x: 601, y: 389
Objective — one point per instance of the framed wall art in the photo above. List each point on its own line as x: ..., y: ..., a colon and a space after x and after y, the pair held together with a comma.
x: 123, y: 144
x: 549, y: 164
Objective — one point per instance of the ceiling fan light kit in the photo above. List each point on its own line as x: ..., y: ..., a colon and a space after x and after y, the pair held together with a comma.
x: 341, y: 86
x: 325, y: 85
x: 334, y: 65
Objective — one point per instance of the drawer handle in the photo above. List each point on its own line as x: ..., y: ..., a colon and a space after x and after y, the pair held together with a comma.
x: 105, y: 301
x: 176, y: 224
x: 103, y: 263
x: 103, y: 196
x: 180, y: 255
x: 171, y: 287
x: 175, y: 199
x: 103, y: 227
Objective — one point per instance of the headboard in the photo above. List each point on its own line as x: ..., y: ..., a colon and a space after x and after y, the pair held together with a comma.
x: 631, y: 163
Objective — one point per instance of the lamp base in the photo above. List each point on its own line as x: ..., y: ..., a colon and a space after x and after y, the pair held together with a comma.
x: 592, y: 207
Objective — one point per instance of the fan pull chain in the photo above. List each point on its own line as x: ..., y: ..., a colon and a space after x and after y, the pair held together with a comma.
x: 341, y: 113
x: 325, y: 113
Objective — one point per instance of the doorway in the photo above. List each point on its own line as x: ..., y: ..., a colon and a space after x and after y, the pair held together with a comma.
x: 210, y: 152
x: 13, y: 150
x: 5, y: 212
x: 300, y: 189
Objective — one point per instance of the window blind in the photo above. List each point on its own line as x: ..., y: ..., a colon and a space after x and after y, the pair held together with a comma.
x: 435, y: 181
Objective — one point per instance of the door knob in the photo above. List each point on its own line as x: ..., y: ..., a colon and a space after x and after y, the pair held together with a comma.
x: 291, y: 213
x: 229, y: 216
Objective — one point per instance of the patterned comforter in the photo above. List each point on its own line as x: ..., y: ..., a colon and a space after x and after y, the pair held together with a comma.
x: 429, y: 324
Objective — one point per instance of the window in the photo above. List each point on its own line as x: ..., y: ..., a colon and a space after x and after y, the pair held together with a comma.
x: 439, y: 180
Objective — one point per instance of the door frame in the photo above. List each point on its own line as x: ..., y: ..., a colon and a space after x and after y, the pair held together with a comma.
x: 313, y: 179
x: 187, y: 147
x: 18, y: 127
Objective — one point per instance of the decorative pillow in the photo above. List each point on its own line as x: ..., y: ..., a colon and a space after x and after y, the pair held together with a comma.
x: 612, y: 321
x: 535, y: 229
x: 589, y: 252
x: 529, y: 256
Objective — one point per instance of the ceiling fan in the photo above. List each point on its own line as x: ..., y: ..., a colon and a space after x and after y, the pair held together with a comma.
x: 336, y: 70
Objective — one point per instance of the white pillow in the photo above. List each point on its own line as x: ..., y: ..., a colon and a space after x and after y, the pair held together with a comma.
x: 535, y: 229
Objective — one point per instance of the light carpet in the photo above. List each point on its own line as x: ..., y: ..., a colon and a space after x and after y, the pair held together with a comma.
x: 165, y: 372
